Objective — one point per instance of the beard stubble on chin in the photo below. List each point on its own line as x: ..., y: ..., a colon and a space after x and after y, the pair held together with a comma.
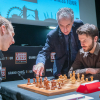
x: 90, y: 47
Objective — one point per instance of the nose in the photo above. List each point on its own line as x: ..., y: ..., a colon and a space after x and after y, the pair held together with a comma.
x: 65, y: 29
x: 13, y: 41
x: 82, y: 44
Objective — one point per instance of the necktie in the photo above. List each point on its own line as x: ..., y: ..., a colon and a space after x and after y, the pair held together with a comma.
x: 69, y: 54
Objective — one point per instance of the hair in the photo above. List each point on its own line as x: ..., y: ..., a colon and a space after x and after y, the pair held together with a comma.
x: 65, y: 13
x: 6, y: 23
x: 88, y: 29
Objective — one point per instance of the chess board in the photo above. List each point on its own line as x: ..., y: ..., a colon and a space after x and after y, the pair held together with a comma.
x: 66, y: 88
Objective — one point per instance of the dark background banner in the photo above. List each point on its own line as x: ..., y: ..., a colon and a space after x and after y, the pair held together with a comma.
x: 18, y: 62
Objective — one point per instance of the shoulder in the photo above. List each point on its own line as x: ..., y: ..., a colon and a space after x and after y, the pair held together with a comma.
x: 77, y: 23
x: 98, y: 44
x: 54, y: 32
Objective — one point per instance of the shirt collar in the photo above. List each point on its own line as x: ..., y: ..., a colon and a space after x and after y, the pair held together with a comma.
x: 71, y: 30
x: 97, y: 49
x: 63, y: 33
x: 95, y: 52
x: 69, y: 33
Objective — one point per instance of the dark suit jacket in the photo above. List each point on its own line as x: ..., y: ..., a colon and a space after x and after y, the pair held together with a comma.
x: 56, y: 42
x: 1, y: 56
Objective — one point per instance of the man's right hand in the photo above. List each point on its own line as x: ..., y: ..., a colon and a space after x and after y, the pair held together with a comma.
x: 91, y: 71
x: 38, y: 69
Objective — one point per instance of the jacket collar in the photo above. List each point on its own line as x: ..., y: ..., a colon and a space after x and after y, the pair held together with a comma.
x: 97, y: 49
x: 1, y: 54
x: 60, y: 35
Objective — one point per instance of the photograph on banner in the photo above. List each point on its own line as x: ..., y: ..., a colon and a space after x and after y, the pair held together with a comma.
x: 52, y: 56
x: 3, y: 73
x: 20, y: 57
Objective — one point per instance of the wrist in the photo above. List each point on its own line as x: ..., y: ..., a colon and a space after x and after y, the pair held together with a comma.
x: 40, y: 64
x: 86, y: 70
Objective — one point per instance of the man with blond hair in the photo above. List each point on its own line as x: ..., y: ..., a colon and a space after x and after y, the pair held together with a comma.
x: 6, y: 38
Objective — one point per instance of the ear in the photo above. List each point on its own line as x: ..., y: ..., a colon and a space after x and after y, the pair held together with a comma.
x: 95, y: 38
x: 3, y: 28
x: 72, y: 22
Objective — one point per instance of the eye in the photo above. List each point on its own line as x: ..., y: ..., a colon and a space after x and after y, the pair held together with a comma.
x: 61, y: 25
x: 68, y: 25
x: 84, y: 40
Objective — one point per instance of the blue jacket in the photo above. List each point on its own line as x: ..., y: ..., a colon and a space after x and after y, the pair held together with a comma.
x: 56, y: 42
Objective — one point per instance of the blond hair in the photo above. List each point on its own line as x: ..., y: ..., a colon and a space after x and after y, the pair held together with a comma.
x: 6, y: 23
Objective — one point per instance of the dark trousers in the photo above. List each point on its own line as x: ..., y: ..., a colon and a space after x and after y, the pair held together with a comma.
x: 66, y: 67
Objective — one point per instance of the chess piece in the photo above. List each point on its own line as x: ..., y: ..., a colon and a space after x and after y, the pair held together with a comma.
x: 59, y: 87
x: 86, y: 79
x: 58, y: 80
x: 55, y: 84
x: 70, y: 77
x: 37, y: 83
x: 62, y: 82
x: 60, y: 77
x: 40, y: 83
x: 73, y: 73
x: 83, y: 76
x: 78, y: 77
x: 65, y: 77
x: 47, y: 85
x: 73, y: 80
x: 91, y: 78
x: 52, y: 85
x: 28, y: 83
x: 82, y: 80
x: 33, y: 80
x: 44, y: 83
x: 46, y: 78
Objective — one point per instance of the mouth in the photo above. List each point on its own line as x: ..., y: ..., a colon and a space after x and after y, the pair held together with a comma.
x: 66, y: 33
x: 84, y: 47
x: 9, y: 46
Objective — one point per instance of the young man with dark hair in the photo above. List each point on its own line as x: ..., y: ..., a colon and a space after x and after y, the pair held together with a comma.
x: 87, y: 61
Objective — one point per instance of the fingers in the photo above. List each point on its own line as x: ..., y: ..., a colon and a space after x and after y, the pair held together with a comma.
x: 35, y: 69
x: 91, y: 71
x: 41, y: 71
x: 38, y: 70
x: 37, y: 73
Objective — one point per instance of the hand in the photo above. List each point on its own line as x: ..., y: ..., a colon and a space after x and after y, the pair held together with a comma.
x: 91, y: 71
x: 38, y: 69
